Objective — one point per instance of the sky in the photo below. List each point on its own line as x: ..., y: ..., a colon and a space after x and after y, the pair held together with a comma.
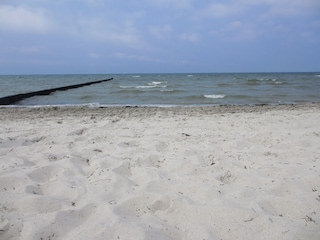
x: 159, y: 36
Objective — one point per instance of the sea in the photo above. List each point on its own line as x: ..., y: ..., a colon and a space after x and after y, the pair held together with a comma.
x: 165, y: 90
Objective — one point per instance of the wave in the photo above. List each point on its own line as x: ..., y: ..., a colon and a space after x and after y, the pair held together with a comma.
x: 215, y: 96
x: 149, y: 85
x: 156, y: 83
x: 86, y: 97
x: 258, y: 81
x: 168, y: 90
x: 137, y: 86
x: 223, y: 85
x: 253, y: 82
x: 127, y: 86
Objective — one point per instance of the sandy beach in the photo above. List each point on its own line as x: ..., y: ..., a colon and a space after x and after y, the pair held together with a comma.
x: 228, y: 172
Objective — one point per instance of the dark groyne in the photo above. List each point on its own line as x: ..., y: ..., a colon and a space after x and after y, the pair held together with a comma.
x: 13, y: 99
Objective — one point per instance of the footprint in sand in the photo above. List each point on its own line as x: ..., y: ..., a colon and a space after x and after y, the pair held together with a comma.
x: 152, y: 161
x: 128, y: 144
x: 161, y: 147
x: 45, y: 174
x: 160, y: 205
x: 77, y: 132
x: 64, y: 222
x: 67, y: 190
x: 124, y: 169
x: 4, y: 225
x: 268, y: 208
x: 227, y: 178
x: 31, y: 189
x: 37, y: 204
x: 33, y: 140
x: 143, y: 205
x: 10, y: 183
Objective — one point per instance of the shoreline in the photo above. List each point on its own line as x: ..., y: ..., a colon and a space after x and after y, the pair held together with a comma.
x: 129, y: 111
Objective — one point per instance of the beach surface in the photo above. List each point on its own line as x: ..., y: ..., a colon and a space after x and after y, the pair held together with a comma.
x: 227, y: 172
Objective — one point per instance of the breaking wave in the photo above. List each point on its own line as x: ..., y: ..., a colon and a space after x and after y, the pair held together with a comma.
x: 215, y: 96
x: 149, y: 85
x: 259, y: 81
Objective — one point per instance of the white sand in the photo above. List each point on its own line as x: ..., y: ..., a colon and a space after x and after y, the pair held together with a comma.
x: 160, y: 173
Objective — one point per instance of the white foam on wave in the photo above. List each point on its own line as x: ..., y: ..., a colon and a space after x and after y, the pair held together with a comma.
x: 155, y: 83
x: 150, y: 86
x: 137, y: 86
x: 275, y: 81
x: 136, y: 76
x: 215, y: 96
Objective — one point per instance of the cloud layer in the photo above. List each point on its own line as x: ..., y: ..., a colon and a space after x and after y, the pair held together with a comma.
x: 184, y: 31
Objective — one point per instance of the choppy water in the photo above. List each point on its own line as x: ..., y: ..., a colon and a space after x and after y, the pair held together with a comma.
x: 169, y: 89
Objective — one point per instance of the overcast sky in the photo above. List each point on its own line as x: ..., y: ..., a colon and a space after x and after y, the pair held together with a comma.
x: 158, y: 36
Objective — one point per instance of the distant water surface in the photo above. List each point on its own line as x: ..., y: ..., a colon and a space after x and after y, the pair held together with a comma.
x: 168, y: 89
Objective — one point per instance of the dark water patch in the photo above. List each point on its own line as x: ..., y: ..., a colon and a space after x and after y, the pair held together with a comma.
x: 240, y: 96
x: 223, y: 85
x: 87, y: 97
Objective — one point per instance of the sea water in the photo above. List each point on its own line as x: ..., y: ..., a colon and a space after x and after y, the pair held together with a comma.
x: 168, y: 89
